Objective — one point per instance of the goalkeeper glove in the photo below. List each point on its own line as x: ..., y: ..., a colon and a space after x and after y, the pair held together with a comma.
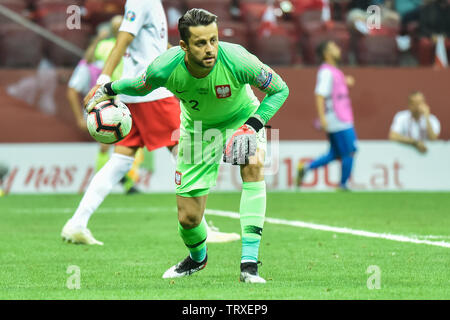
x: 242, y: 144
x: 105, y: 92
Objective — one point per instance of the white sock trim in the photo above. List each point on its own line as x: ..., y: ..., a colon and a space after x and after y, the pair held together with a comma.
x: 253, y: 261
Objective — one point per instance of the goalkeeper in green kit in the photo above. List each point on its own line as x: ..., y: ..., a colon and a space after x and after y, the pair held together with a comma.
x: 221, y: 118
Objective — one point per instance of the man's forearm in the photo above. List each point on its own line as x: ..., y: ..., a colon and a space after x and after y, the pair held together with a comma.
x: 430, y: 132
x: 394, y: 136
x: 74, y: 102
x: 131, y: 87
x: 272, y: 103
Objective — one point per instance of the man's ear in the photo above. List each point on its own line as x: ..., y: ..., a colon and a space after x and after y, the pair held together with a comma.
x: 183, y: 45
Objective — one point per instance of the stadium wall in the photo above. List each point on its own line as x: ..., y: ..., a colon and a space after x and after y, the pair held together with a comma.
x: 379, y: 166
x: 379, y: 93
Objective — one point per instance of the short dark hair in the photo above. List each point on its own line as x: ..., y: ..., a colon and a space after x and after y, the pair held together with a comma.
x: 192, y: 18
x: 321, y: 48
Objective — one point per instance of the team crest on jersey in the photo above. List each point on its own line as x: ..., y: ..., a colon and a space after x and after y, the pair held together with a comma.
x: 130, y: 16
x: 223, y: 91
x: 178, y: 178
x: 264, y: 79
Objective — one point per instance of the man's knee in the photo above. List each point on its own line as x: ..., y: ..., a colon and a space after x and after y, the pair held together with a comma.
x: 190, y: 211
x: 252, y: 172
x: 189, y: 220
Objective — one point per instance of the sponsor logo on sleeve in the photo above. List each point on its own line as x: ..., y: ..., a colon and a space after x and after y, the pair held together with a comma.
x: 223, y: 91
x: 264, y: 79
x: 130, y: 16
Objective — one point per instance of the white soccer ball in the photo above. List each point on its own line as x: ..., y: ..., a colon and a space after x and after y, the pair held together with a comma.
x: 109, y: 121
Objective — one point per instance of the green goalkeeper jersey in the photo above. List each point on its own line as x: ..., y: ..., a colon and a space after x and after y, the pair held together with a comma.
x: 222, y: 95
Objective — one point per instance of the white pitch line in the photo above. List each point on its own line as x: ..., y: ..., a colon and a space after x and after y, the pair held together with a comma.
x: 321, y: 227
x: 235, y: 215
x: 100, y: 210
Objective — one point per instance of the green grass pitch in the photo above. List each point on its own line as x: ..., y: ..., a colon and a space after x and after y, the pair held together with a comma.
x: 141, y: 242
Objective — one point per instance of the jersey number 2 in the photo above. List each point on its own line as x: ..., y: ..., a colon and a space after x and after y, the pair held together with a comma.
x: 194, y: 104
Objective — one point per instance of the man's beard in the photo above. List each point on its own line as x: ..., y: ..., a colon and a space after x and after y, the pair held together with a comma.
x: 201, y: 64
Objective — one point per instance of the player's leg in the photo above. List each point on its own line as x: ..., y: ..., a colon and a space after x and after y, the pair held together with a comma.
x: 102, y: 183
x: 192, y: 230
x: 163, y: 119
x: 121, y: 161
x: 132, y: 176
x: 252, y: 212
x: 102, y: 156
x: 346, y: 147
x: 193, y: 178
x: 303, y: 167
x: 129, y: 179
x: 347, y: 166
x: 3, y: 172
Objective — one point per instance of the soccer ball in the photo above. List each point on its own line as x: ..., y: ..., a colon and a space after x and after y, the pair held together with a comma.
x: 109, y: 121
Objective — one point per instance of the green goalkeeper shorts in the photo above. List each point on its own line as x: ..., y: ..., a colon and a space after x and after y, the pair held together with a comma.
x: 200, y: 155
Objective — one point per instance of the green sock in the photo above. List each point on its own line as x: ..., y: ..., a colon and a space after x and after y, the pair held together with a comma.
x: 195, y: 240
x: 252, y: 212
x: 102, y: 158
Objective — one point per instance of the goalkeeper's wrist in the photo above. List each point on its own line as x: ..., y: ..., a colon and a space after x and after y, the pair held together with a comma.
x: 109, y: 90
x: 255, y: 122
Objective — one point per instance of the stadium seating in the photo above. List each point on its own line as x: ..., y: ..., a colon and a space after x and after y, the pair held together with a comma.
x: 235, y: 32
x: 312, y: 31
x: 19, y: 46
x: 275, y: 47
x: 296, y: 34
x: 309, y: 21
x: 56, y: 13
x: 101, y: 11
x: 221, y: 8
x: 424, y: 49
x: 376, y: 50
x: 18, y: 6
x: 252, y: 11
x: 60, y: 56
x: 314, y: 35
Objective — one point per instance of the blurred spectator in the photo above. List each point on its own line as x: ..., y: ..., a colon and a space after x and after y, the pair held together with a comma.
x: 299, y: 6
x: 3, y: 172
x: 405, y: 7
x: 434, y: 21
x: 409, y: 11
x: 235, y: 10
x: 335, y: 113
x: 435, y: 18
x: 415, y: 125
x: 358, y: 15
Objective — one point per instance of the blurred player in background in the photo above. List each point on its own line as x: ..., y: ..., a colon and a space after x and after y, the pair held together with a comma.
x: 84, y: 78
x: 156, y: 116
x: 415, y: 125
x: 335, y: 114
x: 213, y: 80
x: 3, y: 172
